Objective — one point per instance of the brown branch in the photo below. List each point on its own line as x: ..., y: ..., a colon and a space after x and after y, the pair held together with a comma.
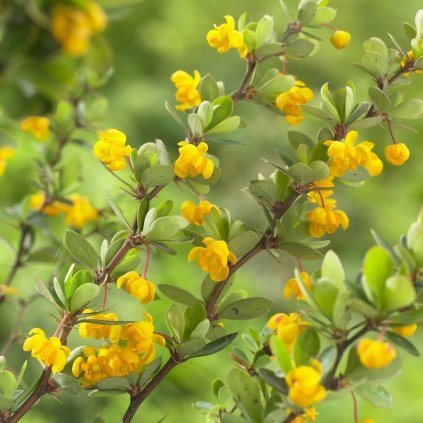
x: 290, y: 418
x: 241, y: 93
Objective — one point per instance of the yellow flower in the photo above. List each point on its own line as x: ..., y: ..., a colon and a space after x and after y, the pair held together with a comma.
x: 225, y: 36
x: 195, y: 214
x: 346, y: 156
x: 287, y: 327
x: 304, y: 385
x: 213, y: 258
x: 191, y: 161
x: 368, y: 421
x: 375, y: 354
x: 326, y: 219
x: 111, y: 150
x: 186, y: 89
x: 397, y: 154
x: 81, y: 212
x: 139, y: 287
x: 49, y: 351
x: 292, y: 288
x: 5, y: 154
x: 73, y: 27
x: 92, y: 366
x: 320, y: 190
x: 310, y: 414
x: 141, y: 338
x: 120, y: 361
x: 37, y: 126
x: 97, y: 330
x: 290, y: 102
x: 406, y: 331
x: 340, y: 39
x: 37, y: 202
x: 8, y: 290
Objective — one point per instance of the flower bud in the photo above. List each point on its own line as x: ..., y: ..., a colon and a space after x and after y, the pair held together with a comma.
x: 340, y: 39
x: 397, y: 154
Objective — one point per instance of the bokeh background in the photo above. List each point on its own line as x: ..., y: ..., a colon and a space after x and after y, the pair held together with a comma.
x: 155, y: 38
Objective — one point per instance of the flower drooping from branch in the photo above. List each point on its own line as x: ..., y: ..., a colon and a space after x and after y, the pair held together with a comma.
x: 73, y: 27
x: 346, y: 156
x: 214, y: 258
x: 111, y: 150
x: 195, y: 213
x: 225, y: 37
x: 187, y: 93
x: 304, y: 385
x: 290, y: 102
x: 139, y: 287
x: 98, y: 330
x: 397, y: 154
x: 37, y: 126
x: 326, y: 219
x: 191, y: 161
x: 375, y: 354
x: 292, y: 288
x: 287, y: 327
x: 49, y: 351
x: 340, y: 39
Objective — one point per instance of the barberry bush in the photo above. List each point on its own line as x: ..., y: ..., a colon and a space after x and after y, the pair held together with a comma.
x: 125, y: 250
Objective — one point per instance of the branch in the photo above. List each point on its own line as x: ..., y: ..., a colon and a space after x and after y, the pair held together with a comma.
x: 251, y: 65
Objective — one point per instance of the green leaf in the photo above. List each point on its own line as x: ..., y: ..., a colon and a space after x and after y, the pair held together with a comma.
x: 403, y: 343
x: 325, y: 293
x: 194, y: 123
x: 228, y: 125
x: 398, y: 292
x: 45, y: 292
x: 190, y: 346
x: 300, y: 48
x: 319, y: 113
x: 222, y: 108
x: 327, y: 359
x: 380, y: 99
x: 274, y: 380
x: 296, y: 138
x: 78, y: 279
x: 162, y: 229
x: 274, y: 86
x: 83, y: 295
x: 320, y: 170
x: 215, y: 346
x: 118, y: 212
x: 7, y: 383
x: 299, y: 250
x: 263, y: 30
x: 80, y: 249
x: 205, y: 112
x: 158, y: 175
x: 341, y: 310
x: 281, y: 353
x: 193, y: 316
x: 332, y: 269
x: 307, y: 346
x: 377, y: 267
x: 207, y: 288
x: 68, y: 384
x: 249, y: 308
x: 409, y: 109
x: 174, y: 113
x: 323, y: 15
x: 209, y: 89
x: 246, y: 394
x: 177, y: 294
x: 242, y: 244
x: 301, y: 173
x: 366, y: 123
x: 376, y: 395
x: 264, y: 191
x: 149, y: 371
x: 114, y: 383
x: 106, y: 394
x: 307, y: 11
x: 175, y: 322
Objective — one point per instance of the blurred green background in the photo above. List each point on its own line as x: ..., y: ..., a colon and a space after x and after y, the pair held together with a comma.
x: 156, y: 38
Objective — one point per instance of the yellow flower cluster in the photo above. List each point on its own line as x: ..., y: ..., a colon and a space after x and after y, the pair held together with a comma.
x: 290, y: 102
x: 375, y: 354
x: 111, y: 150
x: 73, y: 27
x: 214, y: 258
x: 77, y: 213
x: 191, y: 161
x: 292, y: 288
x: 49, y: 351
x: 225, y: 37
x: 304, y: 384
x: 405, y: 331
x: 346, y: 156
x: 187, y: 93
x: 195, y: 213
x: 287, y: 327
x: 340, y: 39
x: 131, y: 346
x: 309, y: 415
x: 397, y: 154
x: 98, y: 330
x: 326, y: 219
x: 37, y: 126
x: 5, y: 154
x: 137, y: 286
